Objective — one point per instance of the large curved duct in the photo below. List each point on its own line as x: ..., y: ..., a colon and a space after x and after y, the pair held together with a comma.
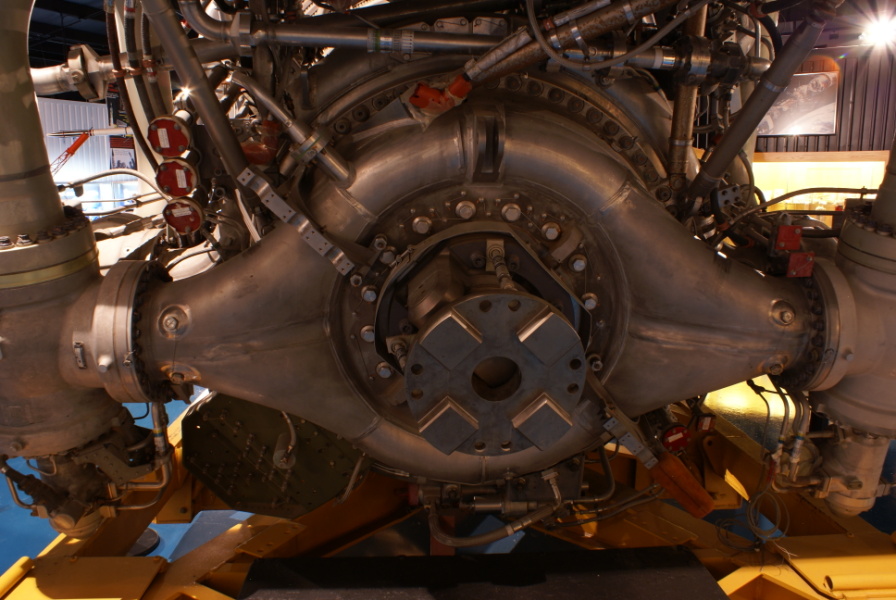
x: 467, y: 271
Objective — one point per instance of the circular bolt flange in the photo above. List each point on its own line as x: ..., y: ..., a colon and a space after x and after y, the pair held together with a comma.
x: 550, y: 231
x: 368, y: 293
x: 511, y: 212
x: 384, y: 370
x: 465, y: 209
x: 590, y: 301
x: 367, y: 333
x: 422, y: 225
x: 578, y: 263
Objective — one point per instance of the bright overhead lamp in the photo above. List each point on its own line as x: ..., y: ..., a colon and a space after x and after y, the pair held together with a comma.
x: 881, y: 31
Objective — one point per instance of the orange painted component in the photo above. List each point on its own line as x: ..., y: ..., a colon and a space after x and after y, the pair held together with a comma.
x: 681, y: 484
x: 437, y: 101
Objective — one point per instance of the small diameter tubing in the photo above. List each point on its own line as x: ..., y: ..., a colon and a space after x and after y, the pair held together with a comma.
x: 509, y: 529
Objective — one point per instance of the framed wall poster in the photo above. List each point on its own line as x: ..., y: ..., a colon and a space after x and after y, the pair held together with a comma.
x: 807, y: 107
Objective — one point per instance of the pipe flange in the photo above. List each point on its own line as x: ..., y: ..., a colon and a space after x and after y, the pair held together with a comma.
x: 116, y: 349
x: 495, y: 373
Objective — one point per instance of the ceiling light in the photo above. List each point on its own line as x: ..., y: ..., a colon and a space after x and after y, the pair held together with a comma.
x: 880, y: 32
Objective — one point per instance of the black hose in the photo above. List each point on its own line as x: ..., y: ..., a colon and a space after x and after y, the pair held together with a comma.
x: 115, y: 52
x: 772, y: 29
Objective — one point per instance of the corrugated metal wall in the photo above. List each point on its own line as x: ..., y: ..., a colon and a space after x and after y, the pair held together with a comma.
x: 866, y: 104
x: 65, y: 115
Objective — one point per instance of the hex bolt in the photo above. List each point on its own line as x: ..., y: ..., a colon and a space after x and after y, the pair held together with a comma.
x: 24, y: 240
x: 388, y: 256
x: 550, y: 231
x: 786, y: 316
x: 368, y: 334
x: 578, y: 262
x: 355, y: 280
x: 384, y: 370
x: 170, y: 323
x: 775, y: 369
x: 590, y: 301
x: 511, y: 212
x: 380, y: 242
x: 368, y: 293
x: 422, y: 225
x: 5, y: 242
x: 465, y: 209
x: 176, y: 377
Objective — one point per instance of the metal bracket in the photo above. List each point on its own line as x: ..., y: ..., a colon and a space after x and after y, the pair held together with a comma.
x: 283, y: 211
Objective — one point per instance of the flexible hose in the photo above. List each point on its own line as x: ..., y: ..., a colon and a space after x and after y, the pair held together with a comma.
x: 500, y: 533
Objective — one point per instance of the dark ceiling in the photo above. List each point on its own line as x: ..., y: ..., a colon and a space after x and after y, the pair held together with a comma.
x: 56, y: 25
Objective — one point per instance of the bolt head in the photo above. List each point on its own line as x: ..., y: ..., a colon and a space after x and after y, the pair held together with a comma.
x: 511, y: 212
x: 578, y: 263
x: 176, y: 378
x: 590, y: 301
x: 422, y: 225
x: 368, y: 334
x: 465, y: 210
x: 388, y: 256
x: 787, y: 317
x: 369, y: 293
x: 170, y: 323
x: 550, y: 231
x: 355, y: 280
x: 384, y: 370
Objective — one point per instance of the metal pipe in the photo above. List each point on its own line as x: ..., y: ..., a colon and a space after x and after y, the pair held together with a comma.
x: 248, y: 32
x: 435, y: 529
x: 682, y: 136
x: 612, y: 17
x: 328, y: 159
x: 189, y: 69
x: 28, y: 198
x: 770, y: 86
x: 123, y: 93
x: 59, y: 79
x: 401, y: 10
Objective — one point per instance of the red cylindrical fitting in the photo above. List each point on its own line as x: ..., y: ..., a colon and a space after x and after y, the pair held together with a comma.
x: 177, y: 177
x: 169, y: 136
x: 184, y: 215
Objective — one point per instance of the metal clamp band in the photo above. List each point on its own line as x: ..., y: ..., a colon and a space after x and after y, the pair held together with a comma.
x: 580, y: 41
x: 50, y: 273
